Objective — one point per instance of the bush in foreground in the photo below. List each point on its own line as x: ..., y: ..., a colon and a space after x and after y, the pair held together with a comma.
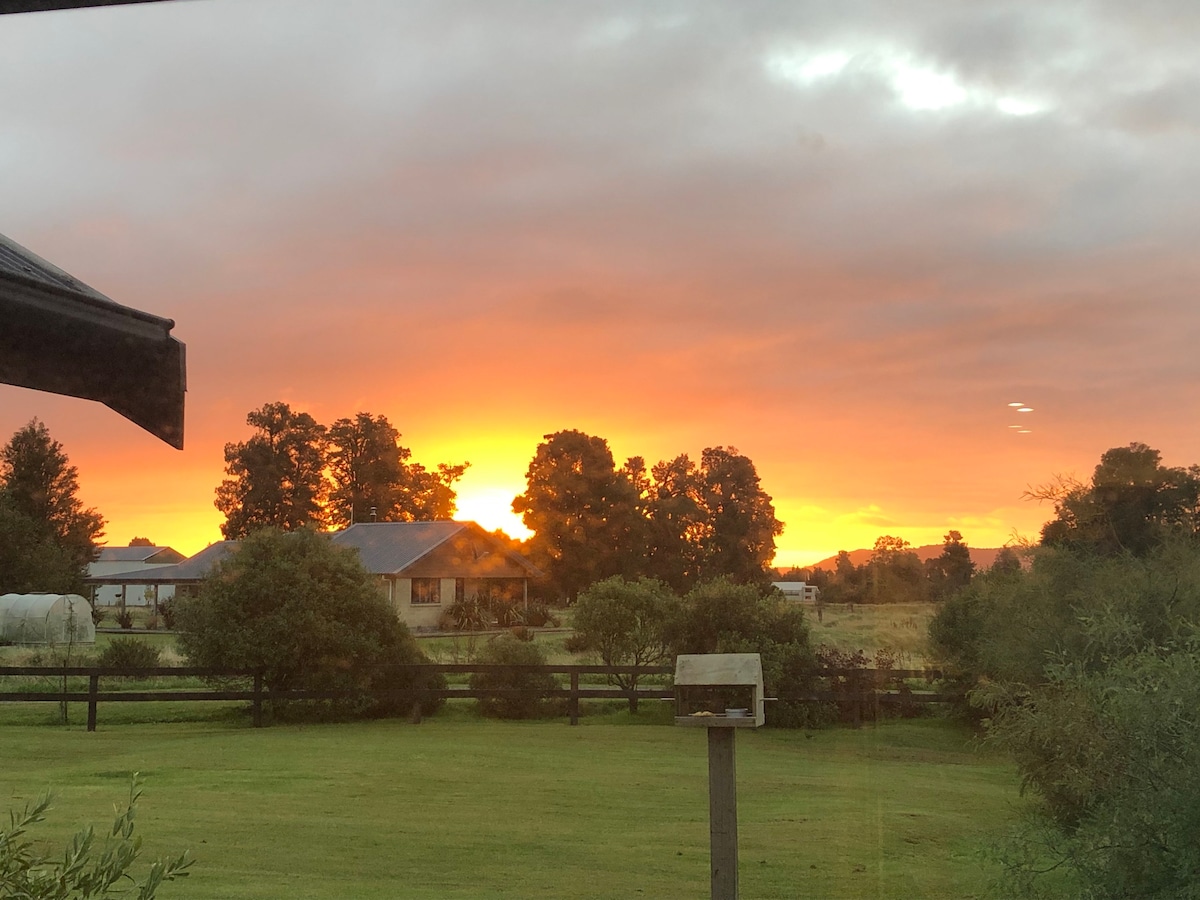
x: 309, y: 616
x: 129, y: 653
x: 27, y: 872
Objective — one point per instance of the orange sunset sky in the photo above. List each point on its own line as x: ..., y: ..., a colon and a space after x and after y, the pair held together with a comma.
x: 842, y: 238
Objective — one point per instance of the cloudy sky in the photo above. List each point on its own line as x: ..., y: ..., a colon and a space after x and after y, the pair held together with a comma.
x: 841, y: 238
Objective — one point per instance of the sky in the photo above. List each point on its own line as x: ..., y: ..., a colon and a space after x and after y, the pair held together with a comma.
x: 841, y: 238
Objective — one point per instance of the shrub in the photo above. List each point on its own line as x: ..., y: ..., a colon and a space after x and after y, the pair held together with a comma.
x: 28, y: 873
x: 305, y: 612
x: 720, y: 616
x: 507, y: 650
x: 166, y: 609
x: 628, y: 623
x: 97, y: 616
x: 129, y: 653
x: 124, y: 618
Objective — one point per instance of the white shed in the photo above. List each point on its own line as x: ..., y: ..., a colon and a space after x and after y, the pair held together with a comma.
x: 46, y: 619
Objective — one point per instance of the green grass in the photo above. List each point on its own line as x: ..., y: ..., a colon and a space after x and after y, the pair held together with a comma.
x: 463, y: 808
x: 900, y: 627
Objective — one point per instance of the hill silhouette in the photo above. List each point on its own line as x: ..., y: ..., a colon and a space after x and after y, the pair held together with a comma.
x: 983, y: 557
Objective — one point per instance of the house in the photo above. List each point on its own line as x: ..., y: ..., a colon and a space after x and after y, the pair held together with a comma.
x: 425, y: 567
x: 130, y: 561
x: 165, y: 580
x: 422, y: 567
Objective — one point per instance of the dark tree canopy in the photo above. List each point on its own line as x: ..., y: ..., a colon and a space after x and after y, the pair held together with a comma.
x: 679, y: 523
x: 740, y: 539
x: 951, y: 571
x: 277, y: 477
x: 1131, y: 504
x: 580, y: 509
x: 43, y: 513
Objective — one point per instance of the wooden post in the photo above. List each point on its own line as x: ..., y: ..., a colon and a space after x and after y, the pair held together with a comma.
x: 722, y: 813
x: 93, y: 690
x: 573, y: 700
x: 414, y: 715
x: 258, y: 699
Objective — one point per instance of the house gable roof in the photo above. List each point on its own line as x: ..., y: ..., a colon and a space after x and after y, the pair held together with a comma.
x: 192, y: 569
x: 138, y: 554
x: 388, y: 548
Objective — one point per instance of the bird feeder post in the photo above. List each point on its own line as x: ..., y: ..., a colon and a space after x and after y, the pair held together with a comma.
x: 720, y: 692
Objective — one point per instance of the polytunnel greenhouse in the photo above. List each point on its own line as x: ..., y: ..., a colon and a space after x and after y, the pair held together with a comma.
x: 46, y: 619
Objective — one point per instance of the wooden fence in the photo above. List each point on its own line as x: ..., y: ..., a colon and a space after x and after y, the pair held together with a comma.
x: 859, y: 688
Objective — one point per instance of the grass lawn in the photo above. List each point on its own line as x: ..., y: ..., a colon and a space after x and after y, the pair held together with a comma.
x: 458, y: 807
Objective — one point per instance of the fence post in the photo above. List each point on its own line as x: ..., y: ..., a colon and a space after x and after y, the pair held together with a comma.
x: 573, y: 700
x: 258, y: 698
x: 93, y: 690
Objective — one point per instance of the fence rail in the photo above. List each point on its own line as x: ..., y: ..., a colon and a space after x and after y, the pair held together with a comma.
x: 859, y: 687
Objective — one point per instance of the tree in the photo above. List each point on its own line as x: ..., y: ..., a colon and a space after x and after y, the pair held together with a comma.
x: 628, y: 623
x: 301, y: 609
x: 277, y: 477
x: 740, y: 539
x: 950, y: 571
x: 38, y: 483
x: 679, y: 523
x: 895, y: 572
x: 581, y: 511
x: 141, y: 542
x: 1130, y: 505
x: 30, y: 560
x: 372, y: 475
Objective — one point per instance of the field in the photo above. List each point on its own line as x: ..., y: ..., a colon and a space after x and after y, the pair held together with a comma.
x: 458, y: 807
x: 899, y: 627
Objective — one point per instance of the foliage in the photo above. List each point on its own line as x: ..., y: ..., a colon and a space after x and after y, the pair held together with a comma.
x: 740, y: 539
x: 1131, y: 504
x: 580, y: 510
x: 166, y: 609
x: 301, y: 609
x: 951, y: 571
x: 30, y: 559
x: 1114, y: 753
x: 721, y: 616
x: 124, y: 618
x: 372, y: 475
x: 86, y: 870
x: 628, y: 623
x: 680, y: 523
x: 1009, y: 625
x: 129, y: 653
x: 506, y: 650
x: 276, y: 478
x: 48, y: 536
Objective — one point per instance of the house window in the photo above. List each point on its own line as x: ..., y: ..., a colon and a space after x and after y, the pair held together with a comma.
x: 460, y: 590
x: 426, y: 590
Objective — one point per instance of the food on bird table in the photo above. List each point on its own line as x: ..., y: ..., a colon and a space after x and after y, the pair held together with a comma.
x: 704, y: 712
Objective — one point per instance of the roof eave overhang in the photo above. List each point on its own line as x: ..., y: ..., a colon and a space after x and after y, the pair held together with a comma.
x: 81, y: 344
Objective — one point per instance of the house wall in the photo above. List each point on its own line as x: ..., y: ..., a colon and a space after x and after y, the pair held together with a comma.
x: 418, y: 616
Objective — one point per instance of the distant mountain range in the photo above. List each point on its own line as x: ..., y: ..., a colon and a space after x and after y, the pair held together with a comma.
x: 983, y: 557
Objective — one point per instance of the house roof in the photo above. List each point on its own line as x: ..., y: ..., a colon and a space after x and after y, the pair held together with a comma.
x: 194, y: 568
x: 64, y: 337
x: 385, y: 548
x: 388, y: 548
x: 135, y: 554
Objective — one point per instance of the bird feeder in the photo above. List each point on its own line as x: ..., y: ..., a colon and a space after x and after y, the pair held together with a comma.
x: 720, y: 692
